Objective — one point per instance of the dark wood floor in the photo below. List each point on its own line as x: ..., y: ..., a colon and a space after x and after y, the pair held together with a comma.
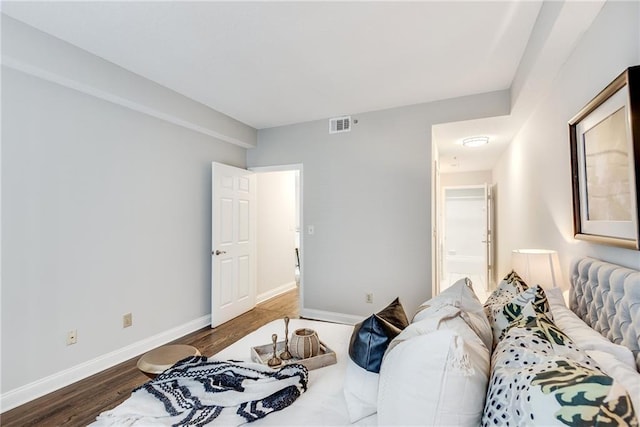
x: 79, y: 404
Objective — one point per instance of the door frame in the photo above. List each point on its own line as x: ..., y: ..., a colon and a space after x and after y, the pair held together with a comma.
x: 299, y: 168
x: 436, y: 268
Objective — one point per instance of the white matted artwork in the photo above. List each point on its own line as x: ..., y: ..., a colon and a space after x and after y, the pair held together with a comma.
x: 605, y: 151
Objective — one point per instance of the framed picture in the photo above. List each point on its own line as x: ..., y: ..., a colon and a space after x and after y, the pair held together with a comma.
x: 605, y: 164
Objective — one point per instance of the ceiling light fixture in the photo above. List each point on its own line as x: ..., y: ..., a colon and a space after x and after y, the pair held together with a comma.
x: 475, y: 141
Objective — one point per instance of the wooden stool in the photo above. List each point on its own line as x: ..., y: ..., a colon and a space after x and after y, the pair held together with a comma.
x: 162, y: 358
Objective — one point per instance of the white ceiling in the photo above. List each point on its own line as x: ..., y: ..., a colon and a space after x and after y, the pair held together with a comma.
x: 456, y: 158
x: 276, y: 63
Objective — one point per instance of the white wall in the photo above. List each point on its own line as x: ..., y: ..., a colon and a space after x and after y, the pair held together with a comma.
x: 465, y: 178
x: 105, y: 211
x: 465, y: 226
x: 534, y: 198
x: 276, y: 232
x: 368, y: 195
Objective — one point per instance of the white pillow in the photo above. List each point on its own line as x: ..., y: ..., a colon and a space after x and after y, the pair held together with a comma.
x: 621, y: 372
x: 448, y: 317
x: 360, y: 391
x: 555, y: 296
x: 428, y: 324
x: 461, y: 295
x: 438, y: 378
x: 361, y: 386
x: 586, y: 338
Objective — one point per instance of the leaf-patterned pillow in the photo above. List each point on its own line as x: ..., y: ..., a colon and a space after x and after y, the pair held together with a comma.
x: 556, y: 391
x: 541, y: 336
x: 508, y: 288
x: 502, y: 313
x: 540, y: 378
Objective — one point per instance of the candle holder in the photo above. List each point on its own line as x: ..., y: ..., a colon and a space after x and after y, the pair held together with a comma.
x: 274, y: 361
x: 305, y: 343
x: 285, y: 355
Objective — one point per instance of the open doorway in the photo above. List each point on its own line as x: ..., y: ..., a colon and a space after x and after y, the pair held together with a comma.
x: 279, y: 241
x: 466, y: 237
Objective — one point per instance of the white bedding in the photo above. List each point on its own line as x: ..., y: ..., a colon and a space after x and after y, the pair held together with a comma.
x: 324, y: 402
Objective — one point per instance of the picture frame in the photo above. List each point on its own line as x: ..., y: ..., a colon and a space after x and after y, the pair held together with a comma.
x: 605, y: 164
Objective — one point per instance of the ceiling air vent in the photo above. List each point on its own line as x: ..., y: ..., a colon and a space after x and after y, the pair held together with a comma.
x: 340, y: 124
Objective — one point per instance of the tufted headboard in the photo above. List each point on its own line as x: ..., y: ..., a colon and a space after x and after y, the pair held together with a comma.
x: 607, y: 297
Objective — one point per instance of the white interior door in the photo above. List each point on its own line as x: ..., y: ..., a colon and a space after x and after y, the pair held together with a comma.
x: 233, y: 242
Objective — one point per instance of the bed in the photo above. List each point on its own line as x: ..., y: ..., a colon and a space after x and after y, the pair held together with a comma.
x: 522, y: 358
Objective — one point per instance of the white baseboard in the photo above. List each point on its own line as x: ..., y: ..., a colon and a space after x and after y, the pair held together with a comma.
x: 31, y: 391
x: 330, y: 316
x: 275, y: 292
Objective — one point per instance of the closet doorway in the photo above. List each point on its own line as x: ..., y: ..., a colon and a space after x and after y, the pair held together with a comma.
x: 466, y: 237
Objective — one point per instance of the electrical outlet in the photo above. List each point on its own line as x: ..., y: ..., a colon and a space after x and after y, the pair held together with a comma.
x: 72, y: 337
x: 127, y: 320
x: 369, y: 298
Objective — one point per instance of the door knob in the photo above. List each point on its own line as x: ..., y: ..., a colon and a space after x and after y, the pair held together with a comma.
x: 218, y: 252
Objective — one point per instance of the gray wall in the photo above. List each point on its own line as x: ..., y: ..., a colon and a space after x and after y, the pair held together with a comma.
x: 105, y: 211
x: 368, y: 195
x: 534, y: 176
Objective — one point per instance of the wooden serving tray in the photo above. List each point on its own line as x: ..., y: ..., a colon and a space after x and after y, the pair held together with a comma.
x: 262, y: 354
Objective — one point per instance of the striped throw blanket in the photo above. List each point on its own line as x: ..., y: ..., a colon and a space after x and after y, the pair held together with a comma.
x: 197, y: 391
